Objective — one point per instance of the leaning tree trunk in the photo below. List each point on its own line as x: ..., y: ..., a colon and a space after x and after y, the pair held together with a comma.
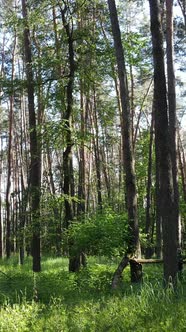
x: 130, y: 181
x: 35, y: 167
x: 169, y: 220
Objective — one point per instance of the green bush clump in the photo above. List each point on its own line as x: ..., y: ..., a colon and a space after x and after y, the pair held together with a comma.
x: 104, y: 234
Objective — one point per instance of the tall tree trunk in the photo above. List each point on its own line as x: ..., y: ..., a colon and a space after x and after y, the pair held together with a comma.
x: 130, y: 181
x: 159, y: 235
x: 1, y: 224
x: 169, y: 221
x: 172, y: 102
x: 74, y: 260
x: 81, y: 181
x: 35, y: 167
x: 94, y: 125
x: 23, y: 186
x: 126, y: 132
x: 9, y: 166
x: 148, y: 226
x: 182, y: 164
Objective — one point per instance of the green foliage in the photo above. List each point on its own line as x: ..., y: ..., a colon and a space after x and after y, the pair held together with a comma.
x: 104, y: 234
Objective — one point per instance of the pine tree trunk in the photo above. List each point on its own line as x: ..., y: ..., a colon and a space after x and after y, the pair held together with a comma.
x: 182, y: 165
x: 1, y: 224
x: 130, y: 180
x: 169, y: 222
x: 35, y: 167
x: 172, y: 102
x: 74, y: 259
x: 148, y: 226
x: 9, y: 162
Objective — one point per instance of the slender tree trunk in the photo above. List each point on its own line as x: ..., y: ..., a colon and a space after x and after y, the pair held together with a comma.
x: 1, y: 224
x: 23, y: 196
x: 172, y: 102
x: 159, y: 236
x: 10, y: 161
x: 169, y: 222
x: 94, y: 124
x: 126, y: 133
x: 182, y: 4
x: 81, y: 182
x: 182, y: 164
x: 148, y: 226
x: 130, y: 181
x: 55, y: 208
x: 1, y: 156
x: 140, y: 113
x: 35, y: 167
x: 74, y: 260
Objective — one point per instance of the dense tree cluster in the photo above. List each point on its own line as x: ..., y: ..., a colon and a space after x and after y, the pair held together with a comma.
x: 91, y: 146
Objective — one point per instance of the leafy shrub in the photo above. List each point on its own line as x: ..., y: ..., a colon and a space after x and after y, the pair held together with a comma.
x: 104, y: 234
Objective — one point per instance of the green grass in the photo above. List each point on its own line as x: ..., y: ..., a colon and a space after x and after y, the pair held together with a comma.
x: 84, y: 302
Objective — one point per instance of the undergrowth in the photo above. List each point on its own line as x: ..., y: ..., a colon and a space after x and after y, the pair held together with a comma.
x: 57, y: 301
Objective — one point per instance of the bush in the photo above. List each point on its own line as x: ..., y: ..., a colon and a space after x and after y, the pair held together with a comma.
x: 104, y: 234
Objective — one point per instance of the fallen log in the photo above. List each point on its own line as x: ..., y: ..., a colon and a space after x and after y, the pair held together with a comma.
x: 149, y: 260
x: 136, y: 268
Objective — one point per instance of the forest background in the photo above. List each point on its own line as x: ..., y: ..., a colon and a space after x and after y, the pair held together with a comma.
x: 92, y: 165
x: 81, y: 167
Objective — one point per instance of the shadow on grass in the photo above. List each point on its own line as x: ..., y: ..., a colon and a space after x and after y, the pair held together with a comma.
x: 18, y: 283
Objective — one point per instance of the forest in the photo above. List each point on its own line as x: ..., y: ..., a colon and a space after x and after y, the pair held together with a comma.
x: 92, y: 165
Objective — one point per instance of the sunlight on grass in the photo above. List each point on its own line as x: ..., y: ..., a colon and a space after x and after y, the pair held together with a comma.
x: 84, y: 301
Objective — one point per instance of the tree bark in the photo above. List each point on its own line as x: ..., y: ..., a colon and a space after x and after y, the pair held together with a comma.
x: 172, y: 102
x: 182, y: 164
x: 130, y: 180
x: 9, y: 162
x: 169, y: 222
x: 35, y: 167
x: 1, y: 224
x: 148, y: 226
x: 74, y: 260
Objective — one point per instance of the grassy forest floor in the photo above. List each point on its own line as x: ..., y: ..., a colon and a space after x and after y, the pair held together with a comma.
x: 55, y: 300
